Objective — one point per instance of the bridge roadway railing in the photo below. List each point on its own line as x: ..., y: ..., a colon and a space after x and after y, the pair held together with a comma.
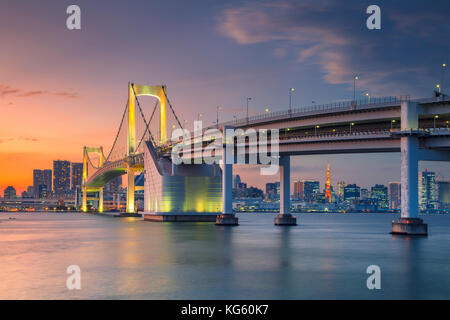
x: 319, y: 109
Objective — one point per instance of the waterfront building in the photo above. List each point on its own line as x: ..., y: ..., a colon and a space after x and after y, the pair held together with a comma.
x: 395, y: 195
x: 10, y: 193
x: 379, y: 193
x: 76, y: 175
x: 340, y: 189
x: 236, y: 181
x: 352, y: 192
x: 273, y: 190
x: 444, y: 194
x: 299, y: 189
x: 42, y: 177
x: 311, y: 188
x: 428, y: 192
x: 365, y: 194
x: 61, y: 177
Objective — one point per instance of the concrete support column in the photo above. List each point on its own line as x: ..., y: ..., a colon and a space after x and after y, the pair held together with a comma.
x: 227, y: 188
x: 410, y: 223
x: 84, y: 206
x: 284, y: 218
x: 285, y: 185
x: 100, y: 200
x: 410, y: 177
x: 130, y: 191
x: 227, y: 217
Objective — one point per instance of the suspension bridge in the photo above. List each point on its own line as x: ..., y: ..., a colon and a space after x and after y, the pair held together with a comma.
x: 418, y: 128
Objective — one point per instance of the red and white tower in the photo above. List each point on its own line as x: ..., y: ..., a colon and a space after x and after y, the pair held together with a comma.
x: 328, y: 186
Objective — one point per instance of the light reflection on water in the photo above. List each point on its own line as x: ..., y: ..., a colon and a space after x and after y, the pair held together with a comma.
x: 325, y: 257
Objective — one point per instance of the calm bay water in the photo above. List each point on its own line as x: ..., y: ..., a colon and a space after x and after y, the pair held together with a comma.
x: 325, y: 257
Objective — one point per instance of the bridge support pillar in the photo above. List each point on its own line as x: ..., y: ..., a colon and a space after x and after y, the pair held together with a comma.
x: 100, y: 200
x: 409, y: 223
x: 130, y: 191
x: 284, y: 218
x: 84, y: 205
x: 227, y: 217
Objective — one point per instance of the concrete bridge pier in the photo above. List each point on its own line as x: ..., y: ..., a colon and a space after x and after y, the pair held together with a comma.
x: 227, y: 217
x: 100, y: 200
x: 410, y: 223
x: 284, y: 218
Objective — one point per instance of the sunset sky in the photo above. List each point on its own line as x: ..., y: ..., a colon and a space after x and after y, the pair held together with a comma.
x: 62, y: 89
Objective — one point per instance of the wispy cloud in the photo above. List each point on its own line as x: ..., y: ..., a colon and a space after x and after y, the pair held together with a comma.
x: 6, y: 90
x: 30, y: 139
x: 333, y: 35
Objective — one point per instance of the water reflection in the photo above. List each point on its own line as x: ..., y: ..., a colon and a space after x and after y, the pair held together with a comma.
x: 324, y: 257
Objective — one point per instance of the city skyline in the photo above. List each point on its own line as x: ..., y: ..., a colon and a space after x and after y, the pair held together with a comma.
x: 252, y: 177
x: 234, y: 55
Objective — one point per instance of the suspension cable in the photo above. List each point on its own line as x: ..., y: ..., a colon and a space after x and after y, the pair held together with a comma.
x: 148, y: 125
x: 117, y: 135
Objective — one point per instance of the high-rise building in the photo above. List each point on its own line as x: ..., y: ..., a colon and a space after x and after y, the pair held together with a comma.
x: 115, y: 185
x: 395, y: 195
x: 42, y: 177
x: 352, y: 192
x: 299, y: 189
x: 236, y: 181
x: 340, y: 188
x: 444, y: 193
x: 380, y: 193
x: 273, y: 190
x: 42, y: 191
x: 10, y: 193
x: 77, y: 174
x: 61, y: 177
x: 428, y: 192
x: 365, y: 194
x: 28, y: 193
x: 311, y: 188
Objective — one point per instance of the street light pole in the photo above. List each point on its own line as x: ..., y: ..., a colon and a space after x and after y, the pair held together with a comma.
x: 217, y: 119
x: 434, y: 121
x: 248, y: 99
x: 444, y: 65
x: 354, y: 87
x: 290, y: 99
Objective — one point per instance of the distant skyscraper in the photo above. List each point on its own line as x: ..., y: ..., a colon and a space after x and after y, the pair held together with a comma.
x: 61, y: 177
x: 42, y: 177
x: 352, y: 192
x: 395, y: 191
x: 77, y: 174
x: 10, y: 193
x: 380, y: 193
x: 273, y: 190
x: 311, y: 188
x: 365, y: 194
x: 428, y: 191
x: 115, y: 185
x: 444, y: 193
x: 236, y: 181
x: 299, y: 189
x: 340, y: 188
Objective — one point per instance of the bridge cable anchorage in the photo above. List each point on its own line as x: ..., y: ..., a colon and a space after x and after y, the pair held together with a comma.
x: 117, y: 135
x: 147, y: 125
x: 171, y: 108
x: 143, y: 117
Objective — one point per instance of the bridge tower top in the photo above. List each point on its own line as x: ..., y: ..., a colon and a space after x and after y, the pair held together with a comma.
x: 135, y: 90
